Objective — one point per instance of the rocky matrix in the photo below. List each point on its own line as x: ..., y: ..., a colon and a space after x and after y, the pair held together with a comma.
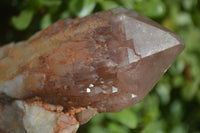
x: 76, y: 68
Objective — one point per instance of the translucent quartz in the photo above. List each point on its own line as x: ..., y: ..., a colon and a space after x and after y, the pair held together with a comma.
x: 107, y: 61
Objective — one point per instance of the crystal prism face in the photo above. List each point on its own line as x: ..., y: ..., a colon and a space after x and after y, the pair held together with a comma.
x: 109, y: 61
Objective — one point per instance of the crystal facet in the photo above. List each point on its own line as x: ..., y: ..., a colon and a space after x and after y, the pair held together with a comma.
x: 104, y: 62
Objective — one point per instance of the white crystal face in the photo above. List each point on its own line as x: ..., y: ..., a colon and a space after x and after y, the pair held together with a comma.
x: 13, y: 87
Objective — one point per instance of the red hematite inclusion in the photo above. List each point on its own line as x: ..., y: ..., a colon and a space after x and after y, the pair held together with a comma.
x: 109, y: 61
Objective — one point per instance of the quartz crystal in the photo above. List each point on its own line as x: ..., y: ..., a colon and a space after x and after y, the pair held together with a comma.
x: 77, y: 68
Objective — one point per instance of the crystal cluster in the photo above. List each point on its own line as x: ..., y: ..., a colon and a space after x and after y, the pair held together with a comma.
x: 77, y: 68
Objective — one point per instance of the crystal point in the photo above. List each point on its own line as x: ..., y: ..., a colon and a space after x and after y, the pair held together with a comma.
x: 104, y: 62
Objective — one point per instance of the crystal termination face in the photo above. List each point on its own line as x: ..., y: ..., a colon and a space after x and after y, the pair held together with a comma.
x: 104, y: 62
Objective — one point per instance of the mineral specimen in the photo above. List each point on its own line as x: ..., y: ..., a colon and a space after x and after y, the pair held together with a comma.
x: 77, y: 68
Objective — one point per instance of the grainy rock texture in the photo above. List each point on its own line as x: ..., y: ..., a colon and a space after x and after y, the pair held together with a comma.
x: 76, y: 68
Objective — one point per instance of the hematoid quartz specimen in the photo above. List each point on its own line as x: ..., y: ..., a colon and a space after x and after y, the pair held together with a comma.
x: 59, y: 78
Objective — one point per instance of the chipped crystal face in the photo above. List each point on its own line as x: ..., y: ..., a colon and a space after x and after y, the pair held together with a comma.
x: 106, y: 61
